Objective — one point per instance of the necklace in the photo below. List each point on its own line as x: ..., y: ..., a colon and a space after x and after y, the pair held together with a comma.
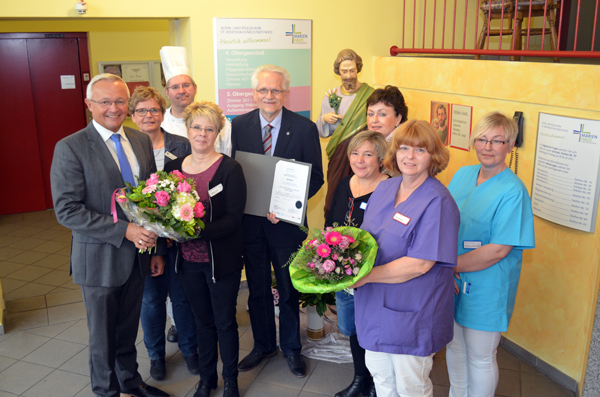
x: 361, y: 191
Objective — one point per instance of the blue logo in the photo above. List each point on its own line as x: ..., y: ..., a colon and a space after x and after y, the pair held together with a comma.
x: 297, y: 37
x: 586, y: 137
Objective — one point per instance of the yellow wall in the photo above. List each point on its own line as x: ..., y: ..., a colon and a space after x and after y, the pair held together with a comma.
x: 557, y: 294
x: 336, y: 25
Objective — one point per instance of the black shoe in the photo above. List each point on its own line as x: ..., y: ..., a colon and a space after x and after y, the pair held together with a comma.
x: 204, y: 388
x: 157, y: 369
x: 252, y: 360
x: 368, y: 389
x: 172, y: 334
x: 193, y: 364
x: 355, y: 388
x: 296, y: 364
x: 144, y: 390
x: 231, y: 389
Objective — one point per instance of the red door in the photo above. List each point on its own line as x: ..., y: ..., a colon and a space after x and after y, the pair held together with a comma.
x: 20, y: 164
x: 49, y: 65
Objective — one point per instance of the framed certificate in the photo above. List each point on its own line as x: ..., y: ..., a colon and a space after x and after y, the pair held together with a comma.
x: 275, y: 185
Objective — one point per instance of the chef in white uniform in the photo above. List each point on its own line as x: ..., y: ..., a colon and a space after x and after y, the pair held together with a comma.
x: 181, y: 91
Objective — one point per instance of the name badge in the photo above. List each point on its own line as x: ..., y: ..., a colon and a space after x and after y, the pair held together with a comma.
x: 170, y: 155
x: 471, y: 244
x: 215, y: 190
x: 363, y: 206
x: 401, y: 218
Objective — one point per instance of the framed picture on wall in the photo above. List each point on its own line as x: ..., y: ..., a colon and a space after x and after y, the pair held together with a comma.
x: 440, y: 119
x: 136, y: 73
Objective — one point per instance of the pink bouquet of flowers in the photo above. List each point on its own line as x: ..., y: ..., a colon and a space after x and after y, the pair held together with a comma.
x: 333, y: 259
x: 166, y: 204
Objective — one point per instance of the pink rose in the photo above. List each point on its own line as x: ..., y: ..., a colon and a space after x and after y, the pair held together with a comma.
x: 186, y: 213
x: 333, y: 238
x: 198, y: 210
x: 312, y: 265
x: 184, y: 187
x: 149, y: 189
x: 323, y: 250
x: 162, y: 198
x: 348, y: 271
x: 315, y: 242
x: 179, y: 175
x: 334, y: 257
x: 328, y: 266
x: 122, y: 199
x: 153, y: 180
x: 344, y: 243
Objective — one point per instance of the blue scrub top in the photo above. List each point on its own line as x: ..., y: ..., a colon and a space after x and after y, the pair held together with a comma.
x: 415, y: 317
x: 498, y: 211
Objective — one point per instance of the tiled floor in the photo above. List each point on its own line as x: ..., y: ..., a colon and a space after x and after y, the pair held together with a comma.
x: 44, y: 351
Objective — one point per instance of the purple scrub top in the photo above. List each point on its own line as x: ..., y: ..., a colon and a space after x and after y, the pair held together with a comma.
x: 415, y: 317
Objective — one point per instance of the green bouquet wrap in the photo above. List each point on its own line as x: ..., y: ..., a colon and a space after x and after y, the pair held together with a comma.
x: 313, y: 279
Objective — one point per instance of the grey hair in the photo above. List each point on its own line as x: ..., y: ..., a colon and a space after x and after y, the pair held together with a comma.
x: 104, y: 76
x: 273, y: 69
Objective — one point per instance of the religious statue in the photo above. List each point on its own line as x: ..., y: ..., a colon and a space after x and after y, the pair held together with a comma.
x: 343, y: 114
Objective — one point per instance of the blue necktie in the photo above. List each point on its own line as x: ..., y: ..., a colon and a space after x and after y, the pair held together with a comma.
x: 123, y: 162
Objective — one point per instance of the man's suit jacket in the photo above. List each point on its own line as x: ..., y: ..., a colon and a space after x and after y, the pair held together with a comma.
x: 298, y: 139
x: 84, y: 176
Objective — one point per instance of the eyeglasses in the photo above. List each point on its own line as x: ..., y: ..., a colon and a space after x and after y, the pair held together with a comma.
x: 265, y: 91
x: 418, y: 151
x: 142, y: 112
x: 108, y: 104
x: 185, y: 86
x: 350, y: 210
x: 496, y: 144
x: 200, y: 129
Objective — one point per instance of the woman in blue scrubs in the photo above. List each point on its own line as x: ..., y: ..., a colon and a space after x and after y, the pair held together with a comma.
x: 404, y: 306
x: 496, y: 226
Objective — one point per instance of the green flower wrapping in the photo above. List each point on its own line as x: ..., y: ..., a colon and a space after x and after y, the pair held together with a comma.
x: 304, y: 278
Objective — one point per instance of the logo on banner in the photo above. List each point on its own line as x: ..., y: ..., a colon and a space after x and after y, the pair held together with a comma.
x: 586, y: 137
x: 297, y: 37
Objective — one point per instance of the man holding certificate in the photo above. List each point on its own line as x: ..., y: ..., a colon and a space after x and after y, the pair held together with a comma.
x: 272, y: 130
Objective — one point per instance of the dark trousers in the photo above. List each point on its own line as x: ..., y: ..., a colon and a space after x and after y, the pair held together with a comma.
x: 214, y: 308
x: 154, y: 312
x: 113, y: 315
x: 259, y: 256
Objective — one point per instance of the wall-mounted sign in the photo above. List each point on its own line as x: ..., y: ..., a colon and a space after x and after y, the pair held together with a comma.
x: 462, y: 118
x: 565, y: 180
x: 241, y: 45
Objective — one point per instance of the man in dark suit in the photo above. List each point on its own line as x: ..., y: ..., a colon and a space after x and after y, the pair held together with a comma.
x: 87, y: 167
x: 273, y: 130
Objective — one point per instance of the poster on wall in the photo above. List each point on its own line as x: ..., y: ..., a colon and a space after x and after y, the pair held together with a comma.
x: 565, y: 179
x: 241, y: 45
x: 440, y: 119
x: 462, y: 119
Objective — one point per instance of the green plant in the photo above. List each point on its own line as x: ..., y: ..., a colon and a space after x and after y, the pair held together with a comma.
x: 319, y: 301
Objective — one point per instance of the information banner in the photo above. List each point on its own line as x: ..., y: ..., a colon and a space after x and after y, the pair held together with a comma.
x: 241, y: 45
x: 565, y: 180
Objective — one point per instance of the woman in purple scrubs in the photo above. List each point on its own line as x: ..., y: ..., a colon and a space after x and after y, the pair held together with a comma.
x: 405, y: 306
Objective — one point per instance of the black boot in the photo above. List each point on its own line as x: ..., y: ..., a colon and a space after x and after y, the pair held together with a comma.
x: 354, y: 389
x: 368, y: 389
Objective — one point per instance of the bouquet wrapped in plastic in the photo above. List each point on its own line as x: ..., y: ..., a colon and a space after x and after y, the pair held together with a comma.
x: 166, y: 204
x: 333, y: 259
